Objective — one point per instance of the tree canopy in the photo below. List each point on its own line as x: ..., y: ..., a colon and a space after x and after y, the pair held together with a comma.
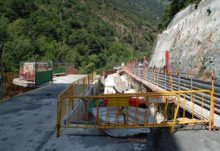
x: 71, y: 31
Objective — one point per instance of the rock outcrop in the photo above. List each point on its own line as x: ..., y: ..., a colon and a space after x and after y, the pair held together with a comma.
x: 193, y: 40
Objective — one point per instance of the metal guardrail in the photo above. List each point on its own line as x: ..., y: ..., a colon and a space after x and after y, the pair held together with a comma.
x: 172, y: 82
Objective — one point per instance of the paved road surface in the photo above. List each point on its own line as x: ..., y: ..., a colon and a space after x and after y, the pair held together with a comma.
x: 28, y: 124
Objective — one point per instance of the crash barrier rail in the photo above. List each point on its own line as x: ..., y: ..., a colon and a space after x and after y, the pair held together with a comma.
x: 111, y: 111
x: 173, y: 82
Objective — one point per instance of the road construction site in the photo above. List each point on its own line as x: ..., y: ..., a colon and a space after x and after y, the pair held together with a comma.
x: 31, y: 121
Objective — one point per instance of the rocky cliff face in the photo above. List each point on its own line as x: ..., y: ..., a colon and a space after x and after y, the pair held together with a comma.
x: 193, y: 40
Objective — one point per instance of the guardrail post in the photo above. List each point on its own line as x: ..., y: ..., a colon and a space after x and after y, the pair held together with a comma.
x: 165, y: 80
x: 157, y: 78
x: 204, y: 76
x: 154, y: 78
x: 146, y: 76
x: 143, y: 74
x: 171, y: 80
x: 191, y: 84
x: 212, y: 99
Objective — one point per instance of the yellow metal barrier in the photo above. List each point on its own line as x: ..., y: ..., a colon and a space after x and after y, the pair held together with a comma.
x: 200, y: 112
x: 78, y: 87
x: 115, y: 111
x: 74, y: 110
x: 78, y: 111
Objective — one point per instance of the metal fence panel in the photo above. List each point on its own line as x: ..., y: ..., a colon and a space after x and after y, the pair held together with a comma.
x: 43, y: 77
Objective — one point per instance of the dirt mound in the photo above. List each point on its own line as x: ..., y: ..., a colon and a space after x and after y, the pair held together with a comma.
x: 9, y: 89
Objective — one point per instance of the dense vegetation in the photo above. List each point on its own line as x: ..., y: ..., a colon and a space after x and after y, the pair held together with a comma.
x: 91, y: 34
x: 172, y: 9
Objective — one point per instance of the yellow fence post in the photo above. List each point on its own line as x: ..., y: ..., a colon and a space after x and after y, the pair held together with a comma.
x: 89, y: 79
x: 83, y: 85
x: 175, y: 116
x: 97, y: 116
x: 71, y: 98
x: 94, y: 76
x: 122, y: 101
x: 166, y: 106
x: 212, y: 101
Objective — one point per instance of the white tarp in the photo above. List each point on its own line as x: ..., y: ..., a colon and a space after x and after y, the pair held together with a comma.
x: 131, y: 113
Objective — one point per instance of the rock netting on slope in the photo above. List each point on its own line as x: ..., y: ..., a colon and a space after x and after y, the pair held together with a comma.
x: 193, y: 40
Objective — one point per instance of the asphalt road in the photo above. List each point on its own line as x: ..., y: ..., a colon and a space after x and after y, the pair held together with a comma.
x: 27, y: 123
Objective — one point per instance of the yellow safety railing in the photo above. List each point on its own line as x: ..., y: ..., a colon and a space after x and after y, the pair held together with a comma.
x: 115, y: 111
x: 193, y: 102
x: 78, y: 87
x: 195, y: 105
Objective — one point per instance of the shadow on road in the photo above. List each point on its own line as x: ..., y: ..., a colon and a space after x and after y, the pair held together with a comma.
x: 160, y: 139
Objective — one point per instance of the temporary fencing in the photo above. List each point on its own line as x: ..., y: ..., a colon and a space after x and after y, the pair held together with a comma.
x: 63, y: 68
x: 89, y: 113
x: 112, y: 111
x: 42, y: 72
x: 78, y: 87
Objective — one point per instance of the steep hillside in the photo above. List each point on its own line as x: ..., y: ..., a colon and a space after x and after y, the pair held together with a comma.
x: 172, y: 8
x: 135, y: 20
x: 192, y: 39
x: 93, y: 35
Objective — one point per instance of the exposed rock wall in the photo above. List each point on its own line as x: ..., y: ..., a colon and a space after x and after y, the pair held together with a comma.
x: 193, y: 40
